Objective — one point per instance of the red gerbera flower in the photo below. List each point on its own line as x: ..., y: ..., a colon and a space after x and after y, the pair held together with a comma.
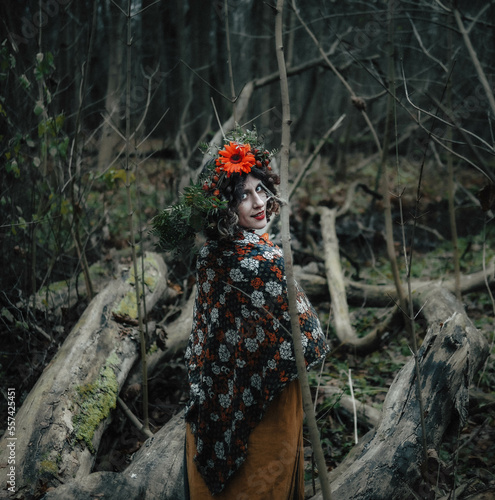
x: 236, y: 158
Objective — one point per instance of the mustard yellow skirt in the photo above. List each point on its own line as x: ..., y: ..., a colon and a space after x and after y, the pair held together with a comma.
x: 274, y: 468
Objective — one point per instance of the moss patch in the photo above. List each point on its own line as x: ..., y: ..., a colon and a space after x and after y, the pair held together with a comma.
x: 128, y: 306
x: 48, y: 468
x: 95, y: 401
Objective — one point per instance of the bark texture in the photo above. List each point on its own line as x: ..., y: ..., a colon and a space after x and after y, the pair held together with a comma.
x: 156, y: 472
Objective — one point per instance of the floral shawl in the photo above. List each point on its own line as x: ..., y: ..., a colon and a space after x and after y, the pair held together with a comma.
x: 240, y: 353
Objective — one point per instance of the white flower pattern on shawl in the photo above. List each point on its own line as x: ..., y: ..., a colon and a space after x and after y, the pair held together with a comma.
x: 224, y: 353
x: 286, y: 350
x: 236, y: 275
x: 245, y: 311
x: 224, y: 400
x: 274, y: 288
x: 260, y: 334
x: 251, y: 264
x: 247, y: 397
x: 256, y: 381
x: 257, y: 299
x: 231, y: 336
x: 214, y: 315
x: 187, y: 354
x: 303, y: 305
x: 251, y: 344
x: 219, y: 450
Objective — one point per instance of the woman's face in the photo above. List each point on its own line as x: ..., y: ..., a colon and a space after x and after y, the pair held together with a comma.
x: 252, y: 208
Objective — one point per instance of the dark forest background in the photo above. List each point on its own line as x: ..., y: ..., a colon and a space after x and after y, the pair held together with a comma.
x: 63, y: 99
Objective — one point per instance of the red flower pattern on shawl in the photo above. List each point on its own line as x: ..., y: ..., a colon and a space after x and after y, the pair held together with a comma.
x: 240, y: 354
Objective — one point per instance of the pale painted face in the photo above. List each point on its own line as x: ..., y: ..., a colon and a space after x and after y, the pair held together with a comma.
x: 252, y: 209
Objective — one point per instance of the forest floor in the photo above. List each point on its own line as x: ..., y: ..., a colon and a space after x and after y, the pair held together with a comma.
x: 469, y: 455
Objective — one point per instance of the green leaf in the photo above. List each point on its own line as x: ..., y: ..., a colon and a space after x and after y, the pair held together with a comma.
x: 7, y: 315
x: 25, y: 83
x: 63, y: 147
x: 38, y: 109
x: 13, y: 167
x: 59, y: 121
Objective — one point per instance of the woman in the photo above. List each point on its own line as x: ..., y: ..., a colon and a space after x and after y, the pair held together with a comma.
x: 244, y: 417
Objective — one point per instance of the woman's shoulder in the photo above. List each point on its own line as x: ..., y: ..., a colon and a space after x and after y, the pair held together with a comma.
x: 245, y: 244
x: 253, y: 245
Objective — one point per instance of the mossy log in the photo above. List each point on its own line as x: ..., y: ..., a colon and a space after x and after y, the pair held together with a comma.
x: 60, y: 423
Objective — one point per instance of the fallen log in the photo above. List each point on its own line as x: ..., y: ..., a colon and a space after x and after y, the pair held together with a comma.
x: 388, y: 463
x: 384, y: 294
x: 342, y: 293
x: 59, y: 426
x: 156, y: 472
x: 177, y: 335
x: 52, y: 299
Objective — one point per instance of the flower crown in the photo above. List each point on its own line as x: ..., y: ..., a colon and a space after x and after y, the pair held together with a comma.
x: 235, y: 158
x: 176, y: 226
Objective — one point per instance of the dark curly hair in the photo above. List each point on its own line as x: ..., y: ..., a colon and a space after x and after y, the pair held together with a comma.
x: 225, y: 224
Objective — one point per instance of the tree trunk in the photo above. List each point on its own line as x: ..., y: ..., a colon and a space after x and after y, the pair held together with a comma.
x: 60, y: 424
x: 176, y: 337
x: 388, y: 462
x: 109, y: 137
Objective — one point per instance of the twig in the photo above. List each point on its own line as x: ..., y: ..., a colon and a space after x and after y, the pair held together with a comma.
x: 285, y: 223
x: 356, y: 440
x: 314, y: 154
x: 229, y: 58
x: 218, y: 118
x: 133, y: 419
x: 353, y: 95
x: 477, y: 66
x: 425, y: 50
x: 130, y: 220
